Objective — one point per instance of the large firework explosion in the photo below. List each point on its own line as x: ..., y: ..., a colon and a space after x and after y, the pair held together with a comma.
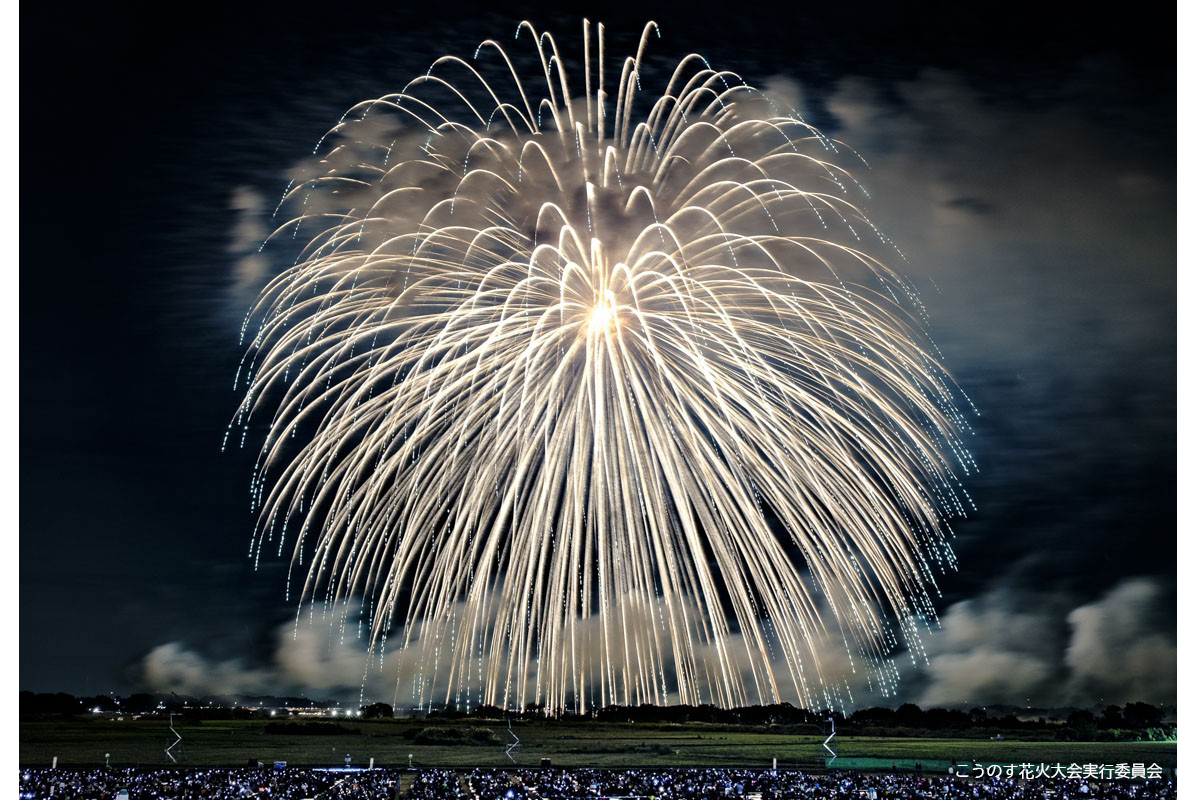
x: 600, y: 399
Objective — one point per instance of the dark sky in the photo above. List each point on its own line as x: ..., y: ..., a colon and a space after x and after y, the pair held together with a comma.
x: 1023, y: 158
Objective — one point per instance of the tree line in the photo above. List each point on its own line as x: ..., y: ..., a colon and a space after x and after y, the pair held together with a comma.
x: 1133, y: 721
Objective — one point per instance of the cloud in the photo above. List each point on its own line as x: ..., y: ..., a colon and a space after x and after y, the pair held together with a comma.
x: 251, y: 269
x: 1116, y: 650
x: 324, y: 651
x: 172, y: 667
x: 1011, y: 208
x: 973, y: 204
x: 1042, y: 240
x: 1006, y: 646
x: 988, y: 650
x: 1015, y: 646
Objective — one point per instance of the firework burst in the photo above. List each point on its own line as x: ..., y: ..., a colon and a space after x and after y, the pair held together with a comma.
x: 600, y: 399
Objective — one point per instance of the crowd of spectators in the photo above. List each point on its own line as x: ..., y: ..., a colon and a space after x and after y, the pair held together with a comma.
x: 207, y: 784
x: 711, y: 784
x: 716, y: 783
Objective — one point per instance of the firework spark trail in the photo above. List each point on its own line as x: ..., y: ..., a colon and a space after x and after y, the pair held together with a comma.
x: 592, y: 406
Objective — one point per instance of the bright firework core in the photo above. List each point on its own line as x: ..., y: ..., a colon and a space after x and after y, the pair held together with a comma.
x: 604, y: 315
x: 594, y: 397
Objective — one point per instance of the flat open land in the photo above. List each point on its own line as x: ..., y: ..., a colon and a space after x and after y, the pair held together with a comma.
x: 480, y: 743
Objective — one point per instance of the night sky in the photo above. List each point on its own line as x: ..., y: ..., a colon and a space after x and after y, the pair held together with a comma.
x: 1023, y: 160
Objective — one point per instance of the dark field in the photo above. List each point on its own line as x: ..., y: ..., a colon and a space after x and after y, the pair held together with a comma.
x: 84, y: 742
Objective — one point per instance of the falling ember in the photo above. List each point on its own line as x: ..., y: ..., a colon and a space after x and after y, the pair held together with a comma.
x: 601, y: 399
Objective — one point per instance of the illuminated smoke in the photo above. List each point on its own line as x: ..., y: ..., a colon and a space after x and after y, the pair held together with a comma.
x: 600, y: 398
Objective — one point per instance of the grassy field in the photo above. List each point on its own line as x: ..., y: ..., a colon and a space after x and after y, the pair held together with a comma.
x: 83, y: 742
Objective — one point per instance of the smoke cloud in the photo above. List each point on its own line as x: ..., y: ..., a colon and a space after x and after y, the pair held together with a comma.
x: 1115, y: 650
x: 1016, y: 647
x: 251, y: 269
x: 1047, y: 281
x: 325, y: 651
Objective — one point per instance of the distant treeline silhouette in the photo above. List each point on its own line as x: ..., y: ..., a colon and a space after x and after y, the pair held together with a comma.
x: 1134, y: 721
x: 309, y: 729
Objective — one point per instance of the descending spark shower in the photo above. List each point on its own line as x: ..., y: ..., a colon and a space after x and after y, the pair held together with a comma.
x: 601, y: 400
